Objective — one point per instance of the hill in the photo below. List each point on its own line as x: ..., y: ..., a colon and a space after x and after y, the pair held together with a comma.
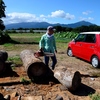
x: 45, y: 24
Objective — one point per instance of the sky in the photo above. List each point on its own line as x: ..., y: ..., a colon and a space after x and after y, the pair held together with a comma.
x: 52, y: 11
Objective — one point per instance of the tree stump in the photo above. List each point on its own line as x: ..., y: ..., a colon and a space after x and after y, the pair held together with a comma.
x: 70, y: 80
x: 33, y: 66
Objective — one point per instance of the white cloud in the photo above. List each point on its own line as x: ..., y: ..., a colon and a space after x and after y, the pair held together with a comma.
x: 87, y: 19
x: 90, y: 18
x: 86, y: 12
x: 62, y: 14
x: 27, y: 17
x: 21, y: 17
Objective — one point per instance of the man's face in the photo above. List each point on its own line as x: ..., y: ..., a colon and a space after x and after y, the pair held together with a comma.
x: 50, y: 31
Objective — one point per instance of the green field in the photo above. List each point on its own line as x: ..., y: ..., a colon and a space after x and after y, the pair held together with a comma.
x: 26, y: 37
x: 63, y: 37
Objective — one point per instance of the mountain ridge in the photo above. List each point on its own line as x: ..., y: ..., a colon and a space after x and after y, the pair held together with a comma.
x: 45, y: 25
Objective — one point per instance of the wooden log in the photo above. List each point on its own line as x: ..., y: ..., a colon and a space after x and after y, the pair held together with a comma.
x: 3, y: 58
x: 70, y: 80
x: 3, y: 55
x: 33, y: 66
x: 2, y: 67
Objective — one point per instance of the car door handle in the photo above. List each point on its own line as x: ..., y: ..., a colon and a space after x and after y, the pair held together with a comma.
x: 91, y: 46
x: 80, y: 44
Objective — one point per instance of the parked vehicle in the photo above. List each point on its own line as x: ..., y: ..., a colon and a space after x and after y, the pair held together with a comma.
x: 87, y: 47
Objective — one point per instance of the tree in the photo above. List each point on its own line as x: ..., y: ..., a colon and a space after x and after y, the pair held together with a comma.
x: 2, y: 26
x: 2, y: 14
x: 4, y: 37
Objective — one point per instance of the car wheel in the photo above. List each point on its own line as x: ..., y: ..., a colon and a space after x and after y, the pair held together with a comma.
x: 69, y: 52
x: 95, y: 61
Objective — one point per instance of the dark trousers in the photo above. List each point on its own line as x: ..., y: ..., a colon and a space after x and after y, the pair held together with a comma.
x: 54, y: 61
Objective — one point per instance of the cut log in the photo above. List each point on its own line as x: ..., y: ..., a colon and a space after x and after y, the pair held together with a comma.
x: 33, y: 66
x: 3, y: 55
x: 70, y: 80
x: 2, y: 67
x: 3, y: 58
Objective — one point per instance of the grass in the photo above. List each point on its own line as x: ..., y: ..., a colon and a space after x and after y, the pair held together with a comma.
x: 8, y: 45
x: 30, y: 37
x: 15, y: 60
x: 25, y: 81
x: 26, y: 37
x: 95, y: 96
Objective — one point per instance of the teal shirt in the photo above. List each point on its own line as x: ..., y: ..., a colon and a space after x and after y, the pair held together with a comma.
x: 48, y: 43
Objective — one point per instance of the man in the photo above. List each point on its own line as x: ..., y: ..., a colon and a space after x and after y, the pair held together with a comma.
x: 48, y: 44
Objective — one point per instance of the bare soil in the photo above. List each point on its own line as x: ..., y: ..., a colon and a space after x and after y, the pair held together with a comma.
x: 11, y: 80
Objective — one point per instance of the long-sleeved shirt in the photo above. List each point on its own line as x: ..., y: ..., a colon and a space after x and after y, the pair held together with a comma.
x: 47, y: 43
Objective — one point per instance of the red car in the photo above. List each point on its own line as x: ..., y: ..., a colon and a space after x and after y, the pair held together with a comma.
x: 86, y: 46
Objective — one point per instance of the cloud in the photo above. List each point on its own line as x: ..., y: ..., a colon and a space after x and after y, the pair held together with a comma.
x: 62, y: 14
x: 20, y: 17
x: 86, y: 12
x: 16, y: 17
x: 86, y: 19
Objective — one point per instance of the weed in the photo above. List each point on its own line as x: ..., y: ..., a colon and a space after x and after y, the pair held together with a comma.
x: 15, y: 59
x: 13, y: 68
x: 95, y: 96
x: 25, y: 81
x: 8, y: 44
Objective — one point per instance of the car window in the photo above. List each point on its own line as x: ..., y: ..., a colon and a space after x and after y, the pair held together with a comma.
x: 80, y: 37
x: 90, y: 38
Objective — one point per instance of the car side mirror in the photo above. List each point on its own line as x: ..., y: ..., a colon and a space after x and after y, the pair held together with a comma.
x: 73, y: 39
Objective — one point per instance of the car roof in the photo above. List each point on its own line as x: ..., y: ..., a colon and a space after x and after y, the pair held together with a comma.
x: 90, y: 33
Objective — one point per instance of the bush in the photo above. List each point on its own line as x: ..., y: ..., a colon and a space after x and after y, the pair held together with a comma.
x: 5, y: 38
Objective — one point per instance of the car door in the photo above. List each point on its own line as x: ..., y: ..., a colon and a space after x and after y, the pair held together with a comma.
x: 88, y: 46
x: 77, y: 46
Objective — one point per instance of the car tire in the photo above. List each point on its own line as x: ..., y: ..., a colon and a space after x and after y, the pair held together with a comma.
x: 95, y: 62
x: 69, y: 52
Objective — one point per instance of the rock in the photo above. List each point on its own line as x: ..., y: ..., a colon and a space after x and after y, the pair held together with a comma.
x: 32, y: 98
x: 7, y: 97
x: 59, y: 98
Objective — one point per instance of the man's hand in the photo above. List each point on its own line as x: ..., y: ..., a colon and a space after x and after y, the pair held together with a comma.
x: 41, y: 50
x: 56, y: 51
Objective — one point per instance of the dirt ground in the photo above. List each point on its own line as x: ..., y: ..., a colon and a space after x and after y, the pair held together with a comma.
x: 11, y: 81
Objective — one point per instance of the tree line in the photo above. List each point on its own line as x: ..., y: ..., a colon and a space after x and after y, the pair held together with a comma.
x: 59, y: 29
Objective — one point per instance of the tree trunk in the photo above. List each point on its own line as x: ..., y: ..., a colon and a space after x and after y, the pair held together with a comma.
x: 34, y: 66
x: 70, y: 80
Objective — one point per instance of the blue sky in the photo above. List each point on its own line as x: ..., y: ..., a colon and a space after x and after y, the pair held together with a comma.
x: 52, y: 11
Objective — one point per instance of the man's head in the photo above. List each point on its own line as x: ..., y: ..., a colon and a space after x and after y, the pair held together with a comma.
x: 50, y: 29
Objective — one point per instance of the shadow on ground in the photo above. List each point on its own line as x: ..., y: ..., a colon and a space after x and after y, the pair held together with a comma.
x: 84, y: 90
